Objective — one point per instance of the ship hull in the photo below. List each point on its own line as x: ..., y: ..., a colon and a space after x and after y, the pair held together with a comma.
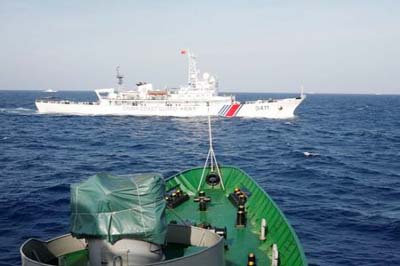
x: 280, y: 109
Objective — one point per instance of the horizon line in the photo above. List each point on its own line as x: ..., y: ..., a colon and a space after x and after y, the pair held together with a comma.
x: 227, y: 91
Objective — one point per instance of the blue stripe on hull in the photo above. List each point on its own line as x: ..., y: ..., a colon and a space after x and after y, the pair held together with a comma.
x: 223, y: 110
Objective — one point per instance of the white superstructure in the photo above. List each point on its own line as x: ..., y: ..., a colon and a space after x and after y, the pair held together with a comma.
x: 199, y: 98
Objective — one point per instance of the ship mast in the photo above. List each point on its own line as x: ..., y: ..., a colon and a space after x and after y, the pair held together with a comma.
x: 120, y: 78
x: 193, y: 73
x: 211, y: 160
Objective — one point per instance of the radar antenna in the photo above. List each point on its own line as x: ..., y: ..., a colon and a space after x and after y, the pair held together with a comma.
x: 214, y: 177
x: 119, y: 77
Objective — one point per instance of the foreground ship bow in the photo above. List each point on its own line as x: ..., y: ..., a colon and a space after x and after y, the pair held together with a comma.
x: 199, y: 98
x: 229, y: 221
x: 214, y: 216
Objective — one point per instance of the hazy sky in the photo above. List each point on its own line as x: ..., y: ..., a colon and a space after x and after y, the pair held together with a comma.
x: 267, y: 46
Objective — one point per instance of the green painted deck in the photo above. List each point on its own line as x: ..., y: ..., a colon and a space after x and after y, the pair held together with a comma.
x: 221, y: 212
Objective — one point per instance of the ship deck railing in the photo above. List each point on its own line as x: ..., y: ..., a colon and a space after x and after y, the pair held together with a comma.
x: 261, y: 101
x: 66, y: 102
x: 134, y: 102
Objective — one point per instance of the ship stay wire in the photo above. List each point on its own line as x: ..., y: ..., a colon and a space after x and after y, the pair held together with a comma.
x: 211, y: 159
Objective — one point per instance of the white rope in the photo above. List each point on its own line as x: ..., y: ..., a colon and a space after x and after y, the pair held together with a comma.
x: 210, y: 156
x: 219, y: 172
x: 204, y: 171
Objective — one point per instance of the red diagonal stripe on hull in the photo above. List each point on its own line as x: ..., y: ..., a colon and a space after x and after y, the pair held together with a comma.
x: 232, y: 110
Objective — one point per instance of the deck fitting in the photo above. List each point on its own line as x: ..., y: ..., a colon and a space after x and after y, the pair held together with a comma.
x: 240, y: 219
x: 202, y: 200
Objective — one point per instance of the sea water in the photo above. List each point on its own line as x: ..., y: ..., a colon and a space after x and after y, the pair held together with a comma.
x: 334, y: 169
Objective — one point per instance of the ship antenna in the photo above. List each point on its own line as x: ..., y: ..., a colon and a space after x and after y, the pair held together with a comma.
x: 214, y: 167
x: 119, y: 77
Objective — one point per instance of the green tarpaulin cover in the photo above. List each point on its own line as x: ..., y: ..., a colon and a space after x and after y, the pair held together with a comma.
x: 114, y: 207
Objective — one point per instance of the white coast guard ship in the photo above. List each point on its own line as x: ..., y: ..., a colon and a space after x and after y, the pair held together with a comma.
x: 199, y: 98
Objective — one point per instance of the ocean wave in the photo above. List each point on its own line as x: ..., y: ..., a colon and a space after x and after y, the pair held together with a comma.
x: 19, y: 111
